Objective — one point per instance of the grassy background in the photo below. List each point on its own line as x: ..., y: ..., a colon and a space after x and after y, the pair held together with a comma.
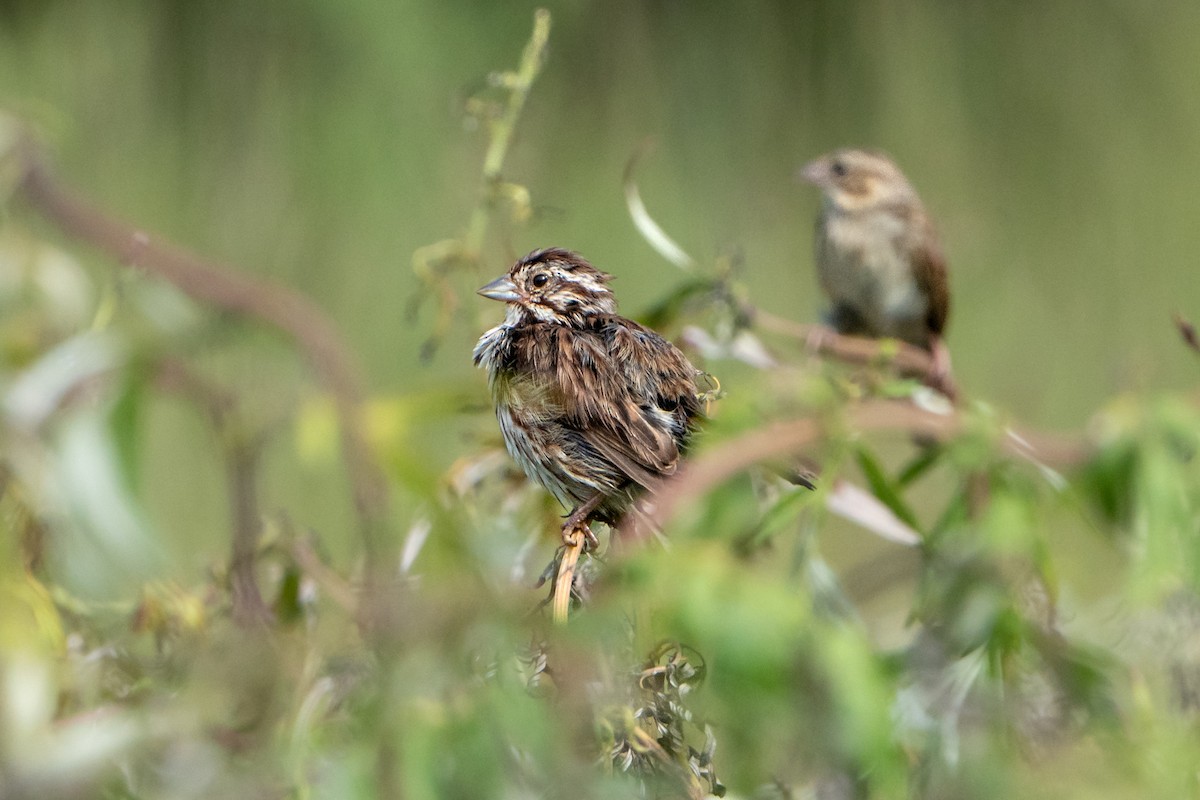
x: 320, y: 144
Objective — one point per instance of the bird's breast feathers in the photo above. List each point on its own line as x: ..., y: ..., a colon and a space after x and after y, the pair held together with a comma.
x: 862, y: 263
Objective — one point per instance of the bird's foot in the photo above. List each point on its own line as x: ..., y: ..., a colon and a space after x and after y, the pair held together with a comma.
x: 573, y: 530
x: 577, y: 522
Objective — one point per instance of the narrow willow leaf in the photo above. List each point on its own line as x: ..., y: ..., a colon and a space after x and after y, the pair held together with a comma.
x: 919, y: 465
x: 883, y: 489
x: 650, y: 230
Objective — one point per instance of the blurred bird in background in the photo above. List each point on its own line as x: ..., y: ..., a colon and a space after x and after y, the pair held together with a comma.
x: 878, y: 256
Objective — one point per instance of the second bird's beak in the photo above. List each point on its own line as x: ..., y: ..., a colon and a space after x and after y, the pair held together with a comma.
x: 813, y: 172
x: 502, y: 289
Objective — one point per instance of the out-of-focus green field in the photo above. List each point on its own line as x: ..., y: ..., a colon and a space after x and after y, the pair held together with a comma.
x: 321, y: 144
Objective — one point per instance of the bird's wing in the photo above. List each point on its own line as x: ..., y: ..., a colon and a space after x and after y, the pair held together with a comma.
x: 631, y: 394
x: 929, y: 270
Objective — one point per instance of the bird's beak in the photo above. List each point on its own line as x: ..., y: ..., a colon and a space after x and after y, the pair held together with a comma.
x: 502, y: 289
x: 814, y: 172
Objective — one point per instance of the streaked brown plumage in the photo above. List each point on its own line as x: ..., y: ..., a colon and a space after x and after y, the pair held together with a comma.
x: 592, y: 406
x: 878, y: 255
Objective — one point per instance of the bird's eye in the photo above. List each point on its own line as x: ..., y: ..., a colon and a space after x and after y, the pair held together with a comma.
x: 838, y: 168
x: 541, y: 279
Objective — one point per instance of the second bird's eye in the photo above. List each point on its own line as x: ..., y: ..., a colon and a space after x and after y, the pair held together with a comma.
x: 838, y: 168
x: 540, y: 279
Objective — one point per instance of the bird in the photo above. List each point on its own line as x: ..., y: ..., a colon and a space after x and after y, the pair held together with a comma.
x: 592, y: 406
x: 878, y: 255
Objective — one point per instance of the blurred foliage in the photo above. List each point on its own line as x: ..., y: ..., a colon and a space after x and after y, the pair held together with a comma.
x: 1042, y: 639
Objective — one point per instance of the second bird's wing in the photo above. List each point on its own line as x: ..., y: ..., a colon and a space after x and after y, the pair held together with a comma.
x: 929, y: 270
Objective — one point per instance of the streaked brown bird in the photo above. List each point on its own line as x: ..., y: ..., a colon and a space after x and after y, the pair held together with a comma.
x: 878, y: 255
x: 592, y: 406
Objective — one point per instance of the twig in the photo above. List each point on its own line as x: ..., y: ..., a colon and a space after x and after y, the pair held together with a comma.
x: 228, y: 289
x: 430, y: 262
x: 241, y: 453
x: 338, y: 589
x: 574, y: 542
x: 518, y: 84
x: 242, y: 459
x: 909, y: 360
x: 1188, y: 331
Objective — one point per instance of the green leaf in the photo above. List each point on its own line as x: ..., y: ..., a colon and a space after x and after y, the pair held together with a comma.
x: 125, y: 419
x: 919, y: 465
x: 883, y: 488
x: 779, y: 517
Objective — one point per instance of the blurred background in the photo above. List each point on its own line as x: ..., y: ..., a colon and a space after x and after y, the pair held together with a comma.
x: 320, y: 144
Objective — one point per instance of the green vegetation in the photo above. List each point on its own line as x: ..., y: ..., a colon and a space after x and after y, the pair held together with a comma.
x: 257, y: 546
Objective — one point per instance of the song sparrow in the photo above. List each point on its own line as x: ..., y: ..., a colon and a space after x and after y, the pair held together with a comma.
x: 877, y: 253
x: 592, y: 406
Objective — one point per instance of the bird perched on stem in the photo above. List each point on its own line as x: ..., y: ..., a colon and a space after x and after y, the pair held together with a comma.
x: 592, y: 406
x: 878, y: 256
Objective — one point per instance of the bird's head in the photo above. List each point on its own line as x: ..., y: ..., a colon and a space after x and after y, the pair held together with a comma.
x: 856, y: 180
x: 553, y: 285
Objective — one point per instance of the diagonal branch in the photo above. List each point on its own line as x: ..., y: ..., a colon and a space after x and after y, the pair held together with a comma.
x: 242, y: 453
x: 225, y: 288
x: 714, y: 467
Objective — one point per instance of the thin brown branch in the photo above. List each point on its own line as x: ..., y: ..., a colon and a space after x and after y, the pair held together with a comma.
x: 228, y: 289
x: 781, y: 439
x: 1188, y: 331
x: 337, y: 588
x: 249, y: 608
x: 215, y: 402
x: 241, y: 452
x: 908, y: 360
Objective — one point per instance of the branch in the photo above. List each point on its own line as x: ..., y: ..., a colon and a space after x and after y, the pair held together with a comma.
x: 241, y: 452
x: 518, y: 84
x: 714, y: 467
x: 431, y: 262
x: 1187, y: 331
x: 909, y: 360
x: 226, y: 288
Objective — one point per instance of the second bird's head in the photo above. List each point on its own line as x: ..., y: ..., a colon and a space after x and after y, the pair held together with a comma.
x: 855, y: 180
x: 553, y: 285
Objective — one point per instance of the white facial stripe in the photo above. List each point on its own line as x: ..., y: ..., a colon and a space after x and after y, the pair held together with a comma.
x: 588, y: 283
